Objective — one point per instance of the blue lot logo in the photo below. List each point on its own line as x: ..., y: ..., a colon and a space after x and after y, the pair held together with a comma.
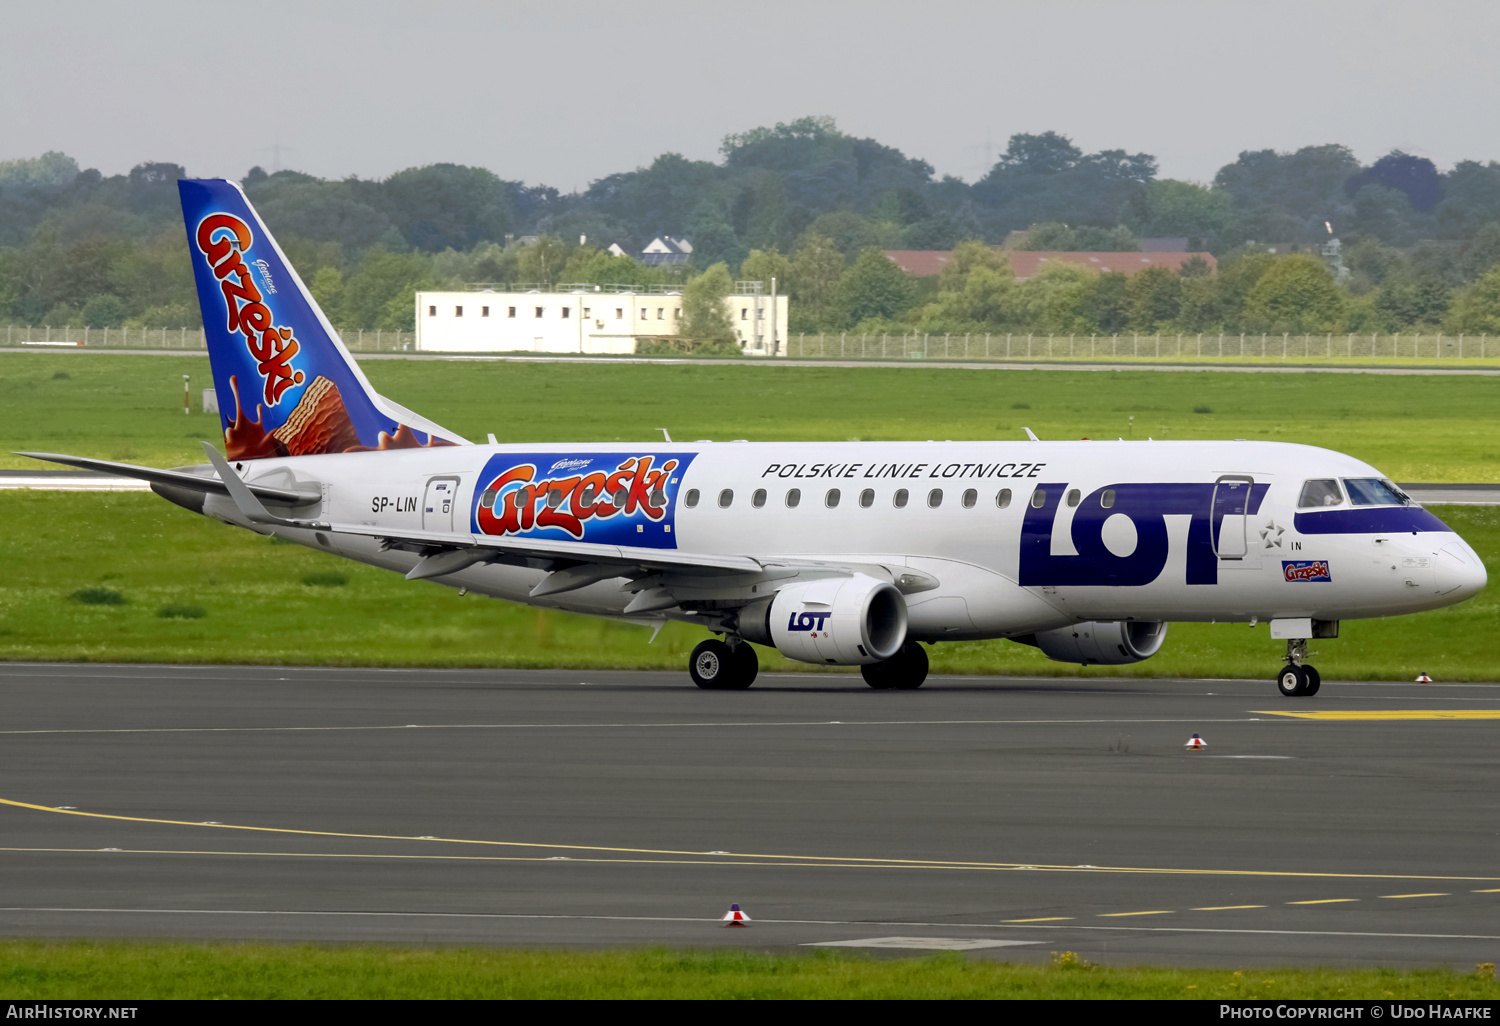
x: 806, y: 621
x: 1147, y: 505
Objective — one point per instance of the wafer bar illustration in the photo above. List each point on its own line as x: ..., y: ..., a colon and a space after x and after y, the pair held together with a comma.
x: 319, y: 424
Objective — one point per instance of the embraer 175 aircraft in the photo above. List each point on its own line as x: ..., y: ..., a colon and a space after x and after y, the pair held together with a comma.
x: 844, y: 553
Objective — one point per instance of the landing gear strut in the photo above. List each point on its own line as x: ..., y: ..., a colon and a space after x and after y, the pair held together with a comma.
x: 1297, y: 678
x: 719, y: 666
x: 905, y: 670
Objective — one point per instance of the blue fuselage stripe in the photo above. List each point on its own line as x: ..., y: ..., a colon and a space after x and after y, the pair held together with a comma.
x: 1376, y: 520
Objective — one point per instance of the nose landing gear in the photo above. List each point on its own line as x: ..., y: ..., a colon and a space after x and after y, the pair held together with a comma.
x: 1297, y: 678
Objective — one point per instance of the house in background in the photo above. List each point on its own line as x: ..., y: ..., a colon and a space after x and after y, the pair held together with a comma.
x: 665, y: 251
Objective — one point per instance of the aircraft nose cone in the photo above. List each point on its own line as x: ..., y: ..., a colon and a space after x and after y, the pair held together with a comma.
x: 1460, y: 572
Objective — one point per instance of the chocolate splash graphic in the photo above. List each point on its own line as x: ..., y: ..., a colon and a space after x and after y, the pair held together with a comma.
x: 404, y: 438
x: 246, y: 439
x: 320, y: 424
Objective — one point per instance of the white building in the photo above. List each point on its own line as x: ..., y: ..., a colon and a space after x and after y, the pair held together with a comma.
x: 585, y: 319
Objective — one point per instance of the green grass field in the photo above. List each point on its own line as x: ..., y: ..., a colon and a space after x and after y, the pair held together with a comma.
x: 1415, y: 428
x: 192, y: 590
x: 83, y: 970
x: 170, y: 586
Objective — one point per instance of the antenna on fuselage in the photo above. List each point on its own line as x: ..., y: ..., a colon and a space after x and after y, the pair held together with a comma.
x: 1031, y: 434
x: 664, y: 434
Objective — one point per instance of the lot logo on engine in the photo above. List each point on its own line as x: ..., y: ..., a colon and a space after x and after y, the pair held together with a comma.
x: 806, y: 621
x: 1305, y: 570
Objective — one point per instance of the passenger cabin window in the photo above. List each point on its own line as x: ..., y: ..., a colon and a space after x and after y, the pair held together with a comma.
x: 867, y: 498
x: 1320, y: 493
x: 691, y: 499
x: 1002, y: 498
x: 1375, y: 491
x: 725, y: 498
x: 759, y: 498
x: 971, y: 496
x: 899, y: 499
x: 935, y: 498
x: 831, y: 500
x: 793, y: 497
x: 1107, y: 500
x: 1039, y: 498
x: 1074, y: 496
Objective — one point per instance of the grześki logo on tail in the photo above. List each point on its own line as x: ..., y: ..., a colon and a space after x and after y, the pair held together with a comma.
x: 272, y: 349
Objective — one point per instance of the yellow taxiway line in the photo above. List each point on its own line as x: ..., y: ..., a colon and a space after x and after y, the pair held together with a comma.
x: 727, y: 856
x: 1388, y: 714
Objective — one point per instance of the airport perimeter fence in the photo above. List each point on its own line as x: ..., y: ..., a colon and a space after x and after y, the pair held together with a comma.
x: 357, y: 340
x: 1205, y: 348
x: 1195, y: 348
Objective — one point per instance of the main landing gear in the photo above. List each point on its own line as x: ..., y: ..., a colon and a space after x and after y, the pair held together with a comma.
x: 1298, y: 679
x: 905, y: 670
x: 718, y: 666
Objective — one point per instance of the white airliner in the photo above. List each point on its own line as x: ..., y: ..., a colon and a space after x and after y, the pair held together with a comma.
x: 850, y: 553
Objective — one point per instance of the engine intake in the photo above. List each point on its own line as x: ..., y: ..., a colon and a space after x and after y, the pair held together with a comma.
x: 1103, y: 644
x: 847, y: 621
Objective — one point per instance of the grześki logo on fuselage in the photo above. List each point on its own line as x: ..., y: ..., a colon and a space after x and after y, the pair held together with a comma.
x: 612, y: 502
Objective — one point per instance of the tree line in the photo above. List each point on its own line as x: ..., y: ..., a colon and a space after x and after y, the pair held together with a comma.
x: 813, y: 207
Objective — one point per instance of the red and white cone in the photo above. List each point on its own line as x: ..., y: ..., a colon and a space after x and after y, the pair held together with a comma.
x: 734, y: 917
x: 1422, y: 678
x: 1195, y: 743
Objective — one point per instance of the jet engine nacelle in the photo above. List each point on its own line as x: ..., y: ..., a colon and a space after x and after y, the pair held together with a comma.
x: 1103, y: 644
x: 843, y: 620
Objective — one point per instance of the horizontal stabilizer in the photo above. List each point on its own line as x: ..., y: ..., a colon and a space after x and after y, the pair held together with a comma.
x: 178, y: 478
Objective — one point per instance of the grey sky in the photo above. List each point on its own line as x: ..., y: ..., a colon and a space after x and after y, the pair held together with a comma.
x: 570, y: 91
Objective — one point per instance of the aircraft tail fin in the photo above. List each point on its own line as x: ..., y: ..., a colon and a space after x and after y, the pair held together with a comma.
x: 273, y: 351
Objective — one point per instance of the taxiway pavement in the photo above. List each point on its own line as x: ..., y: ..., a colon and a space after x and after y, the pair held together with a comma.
x: 584, y: 809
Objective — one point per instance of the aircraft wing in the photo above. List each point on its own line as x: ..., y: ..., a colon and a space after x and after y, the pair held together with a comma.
x: 572, y: 564
x: 565, y: 551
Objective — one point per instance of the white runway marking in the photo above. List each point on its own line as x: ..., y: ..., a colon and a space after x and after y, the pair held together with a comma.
x: 738, y: 725
x: 919, y: 943
x: 714, y: 921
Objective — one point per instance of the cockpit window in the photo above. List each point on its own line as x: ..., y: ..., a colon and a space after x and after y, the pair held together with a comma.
x: 1320, y: 493
x: 1375, y: 491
